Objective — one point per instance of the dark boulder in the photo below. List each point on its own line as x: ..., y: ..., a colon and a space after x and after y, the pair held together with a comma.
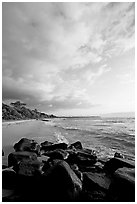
x: 118, y: 155
x: 84, y: 158
x: 113, y: 164
x: 122, y: 189
x: 54, y: 147
x: 79, y: 174
x: 96, y: 180
x: 76, y: 145
x: 27, y: 145
x: 30, y: 168
x: 81, y: 157
x: 72, y: 157
x: 16, y: 157
x: 62, y: 183
x: 46, y: 143
x: 9, y: 178
x: 43, y: 158
x: 57, y: 154
x: 2, y: 153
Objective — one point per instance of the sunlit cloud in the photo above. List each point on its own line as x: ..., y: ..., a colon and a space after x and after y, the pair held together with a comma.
x: 53, y: 52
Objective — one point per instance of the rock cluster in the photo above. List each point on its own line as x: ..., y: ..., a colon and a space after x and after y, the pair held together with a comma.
x: 61, y: 172
x: 18, y: 111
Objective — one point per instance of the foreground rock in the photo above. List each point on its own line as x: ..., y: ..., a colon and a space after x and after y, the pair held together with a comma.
x: 122, y: 188
x: 113, y: 164
x: 76, y: 145
x: 54, y: 147
x: 58, y: 172
x: 27, y: 145
x: 15, y: 157
x: 63, y: 183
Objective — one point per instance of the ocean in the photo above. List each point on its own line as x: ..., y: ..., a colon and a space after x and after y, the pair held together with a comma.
x: 104, y: 135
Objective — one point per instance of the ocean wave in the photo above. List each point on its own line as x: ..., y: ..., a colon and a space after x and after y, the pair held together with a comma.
x: 60, y: 138
x: 121, y: 141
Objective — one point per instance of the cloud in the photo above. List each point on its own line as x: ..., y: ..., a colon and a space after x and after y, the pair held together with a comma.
x: 53, y: 51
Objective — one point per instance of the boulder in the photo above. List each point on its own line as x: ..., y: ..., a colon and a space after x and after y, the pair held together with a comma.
x: 81, y: 157
x: 62, y: 183
x: 122, y: 189
x: 2, y: 153
x: 113, y: 164
x: 30, y: 168
x: 46, y: 143
x: 72, y: 157
x: 54, y: 147
x: 118, y: 155
x: 96, y: 180
x: 57, y: 154
x: 79, y: 174
x: 27, y: 145
x: 76, y: 145
x: 9, y: 178
x: 84, y: 158
x: 43, y: 158
x: 16, y: 157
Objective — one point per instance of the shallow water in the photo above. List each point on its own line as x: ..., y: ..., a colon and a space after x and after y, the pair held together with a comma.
x: 105, y: 135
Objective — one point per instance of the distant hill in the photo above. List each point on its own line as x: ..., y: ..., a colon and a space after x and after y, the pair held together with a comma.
x: 19, y: 111
x: 122, y: 115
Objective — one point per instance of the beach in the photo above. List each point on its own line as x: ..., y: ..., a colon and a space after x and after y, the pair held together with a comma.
x: 12, y: 132
x: 105, y: 136
x: 86, y: 152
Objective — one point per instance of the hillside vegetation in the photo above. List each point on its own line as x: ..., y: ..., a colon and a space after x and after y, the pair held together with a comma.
x: 19, y: 111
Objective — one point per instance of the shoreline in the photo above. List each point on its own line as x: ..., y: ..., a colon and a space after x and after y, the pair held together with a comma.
x: 15, y: 122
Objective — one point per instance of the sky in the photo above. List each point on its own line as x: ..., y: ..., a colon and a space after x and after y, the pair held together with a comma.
x: 69, y: 58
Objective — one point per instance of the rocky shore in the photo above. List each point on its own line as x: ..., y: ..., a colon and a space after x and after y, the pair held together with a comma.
x: 61, y: 172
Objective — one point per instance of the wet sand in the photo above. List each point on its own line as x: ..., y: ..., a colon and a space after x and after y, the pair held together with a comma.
x: 12, y: 132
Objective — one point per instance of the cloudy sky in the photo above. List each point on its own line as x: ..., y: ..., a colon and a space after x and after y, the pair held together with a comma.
x: 69, y: 58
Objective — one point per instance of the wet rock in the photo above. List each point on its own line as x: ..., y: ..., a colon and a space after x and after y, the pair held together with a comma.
x: 72, y: 157
x: 9, y: 178
x: 54, y: 147
x: 27, y: 145
x: 30, y: 168
x: 76, y: 145
x: 57, y: 154
x: 46, y: 143
x: 79, y: 174
x: 122, y: 188
x: 84, y: 158
x: 63, y: 184
x: 81, y: 158
x: 16, y: 157
x: 43, y: 158
x: 99, y: 166
x: 74, y: 167
x: 113, y: 164
x: 118, y: 155
x: 96, y: 180
x: 88, y: 168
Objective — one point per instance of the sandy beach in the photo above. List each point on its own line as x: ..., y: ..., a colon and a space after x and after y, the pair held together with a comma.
x: 13, y: 131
